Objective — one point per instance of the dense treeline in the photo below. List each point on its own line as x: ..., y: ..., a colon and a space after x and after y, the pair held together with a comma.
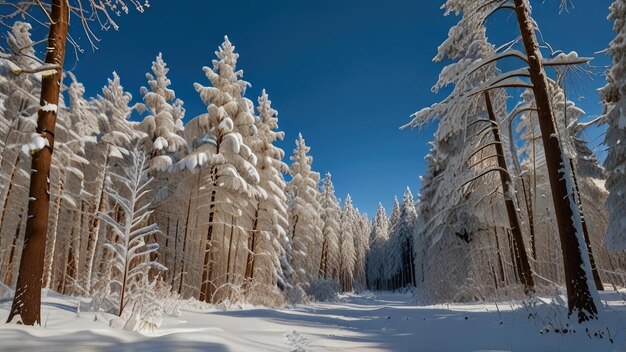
x: 202, y: 208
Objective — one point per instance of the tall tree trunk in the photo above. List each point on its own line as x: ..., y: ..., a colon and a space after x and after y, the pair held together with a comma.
x: 230, y: 247
x: 323, y: 259
x: 525, y: 190
x: 49, y: 259
x: 184, y: 250
x: 70, y: 265
x: 182, y: 269
x: 94, y: 226
x: 27, y: 300
x: 251, y: 246
x: 206, y: 291
x: 500, y: 262
x: 592, y: 261
x: 525, y: 271
x: 514, y: 263
x: 175, y: 260
x: 579, y: 295
x: 412, y: 267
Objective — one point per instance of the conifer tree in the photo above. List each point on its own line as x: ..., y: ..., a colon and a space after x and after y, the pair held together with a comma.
x: 347, y: 252
x: 231, y: 180
x: 305, y: 227
x: 331, y: 217
x: 164, y: 124
x: 269, y: 232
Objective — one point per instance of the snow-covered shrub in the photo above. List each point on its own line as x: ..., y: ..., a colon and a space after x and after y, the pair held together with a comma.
x: 323, y: 290
x: 296, y: 295
x: 266, y: 296
x: 169, y: 299
x: 144, y: 309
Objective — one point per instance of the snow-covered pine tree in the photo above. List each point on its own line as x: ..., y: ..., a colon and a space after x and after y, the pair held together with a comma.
x: 347, y: 252
x: 305, y: 225
x: 164, y: 123
x: 115, y: 137
x: 268, y: 236
x: 331, y: 217
x: 615, y: 119
x: 363, y: 228
x: 131, y: 262
x: 231, y: 181
x: 376, y: 257
x: 401, y: 264
x: 395, y: 214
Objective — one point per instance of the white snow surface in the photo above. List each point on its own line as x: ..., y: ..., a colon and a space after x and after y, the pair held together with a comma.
x: 355, y: 322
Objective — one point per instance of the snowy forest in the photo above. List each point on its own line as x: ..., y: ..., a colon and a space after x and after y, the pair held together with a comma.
x: 124, y: 203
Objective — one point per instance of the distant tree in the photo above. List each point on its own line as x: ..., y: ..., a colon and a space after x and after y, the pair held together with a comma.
x: 363, y: 227
x: 401, y: 260
x: 395, y: 214
x: 347, y: 252
x: 376, y: 258
x: 331, y: 218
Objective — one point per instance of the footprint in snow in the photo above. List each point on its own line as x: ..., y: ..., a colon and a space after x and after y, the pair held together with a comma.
x: 297, y: 341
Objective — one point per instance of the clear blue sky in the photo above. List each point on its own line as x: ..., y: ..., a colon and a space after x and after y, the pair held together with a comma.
x: 345, y: 73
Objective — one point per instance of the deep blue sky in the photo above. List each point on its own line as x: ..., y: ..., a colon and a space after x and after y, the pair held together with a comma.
x: 345, y: 73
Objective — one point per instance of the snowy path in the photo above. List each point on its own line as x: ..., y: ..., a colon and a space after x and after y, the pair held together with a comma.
x: 367, y: 322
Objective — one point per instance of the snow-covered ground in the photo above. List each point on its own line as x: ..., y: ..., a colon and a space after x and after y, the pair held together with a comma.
x: 356, y: 322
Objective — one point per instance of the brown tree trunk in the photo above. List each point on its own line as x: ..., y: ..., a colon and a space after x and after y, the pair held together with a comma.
x: 525, y: 190
x: 206, y: 291
x: 182, y: 264
x: 182, y: 269
x: 531, y: 216
x: 525, y: 272
x: 27, y: 300
x: 323, y: 259
x: 175, y: 260
x: 94, y: 226
x: 230, y: 247
x: 500, y: 262
x: 592, y: 261
x: 70, y: 265
x: 579, y: 296
x: 514, y: 264
x: 49, y: 258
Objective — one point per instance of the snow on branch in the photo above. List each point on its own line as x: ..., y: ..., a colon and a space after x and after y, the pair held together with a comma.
x: 563, y: 59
